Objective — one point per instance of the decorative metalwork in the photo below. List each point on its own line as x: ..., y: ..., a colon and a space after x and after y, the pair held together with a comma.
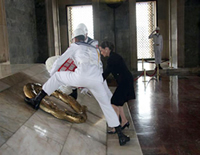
x: 78, y: 116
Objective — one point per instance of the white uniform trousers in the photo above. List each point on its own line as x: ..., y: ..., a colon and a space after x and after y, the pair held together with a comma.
x: 98, y: 88
x: 157, y: 55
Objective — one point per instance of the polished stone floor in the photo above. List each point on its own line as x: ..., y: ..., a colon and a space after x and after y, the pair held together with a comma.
x: 166, y: 115
x: 165, y: 118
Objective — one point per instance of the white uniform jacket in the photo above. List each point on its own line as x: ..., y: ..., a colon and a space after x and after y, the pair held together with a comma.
x: 83, y: 55
x: 158, y: 41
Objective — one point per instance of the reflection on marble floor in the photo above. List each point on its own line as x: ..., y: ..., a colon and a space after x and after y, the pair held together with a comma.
x: 166, y: 115
x: 150, y: 65
x: 24, y: 131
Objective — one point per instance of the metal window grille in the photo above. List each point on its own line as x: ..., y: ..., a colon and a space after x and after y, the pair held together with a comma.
x: 146, y: 22
x: 80, y: 14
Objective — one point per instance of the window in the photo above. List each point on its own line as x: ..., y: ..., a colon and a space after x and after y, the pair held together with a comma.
x: 146, y: 23
x: 80, y: 14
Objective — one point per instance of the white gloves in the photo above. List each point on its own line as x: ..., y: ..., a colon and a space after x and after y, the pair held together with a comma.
x: 84, y: 91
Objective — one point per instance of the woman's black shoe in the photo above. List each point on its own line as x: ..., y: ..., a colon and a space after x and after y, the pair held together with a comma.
x: 125, y: 125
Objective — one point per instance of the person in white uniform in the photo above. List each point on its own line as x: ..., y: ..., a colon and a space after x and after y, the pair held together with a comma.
x: 88, y: 40
x: 87, y: 74
x: 158, y: 45
x: 49, y: 63
x: 94, y: 43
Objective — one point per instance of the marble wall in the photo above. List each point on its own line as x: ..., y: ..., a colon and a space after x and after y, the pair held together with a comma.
x: 41, y: 25
x: 115, y: 27
x: 163, y: 23
x: 192, y: 33
x: 22, y: 34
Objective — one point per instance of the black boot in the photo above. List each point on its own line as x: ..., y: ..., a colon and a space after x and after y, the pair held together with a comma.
x: 160, y: 66
x: 122, y: 138
x: 35, y: 102
x: 74, y: 93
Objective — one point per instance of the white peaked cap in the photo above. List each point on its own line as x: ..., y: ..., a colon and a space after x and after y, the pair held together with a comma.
x: 157, y: 28
x: 78, y: 32
x: 83, y: 27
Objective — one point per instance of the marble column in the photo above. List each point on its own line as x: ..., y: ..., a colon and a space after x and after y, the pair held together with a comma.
x: 53, y: 27
x: 173, y: 33
x: 133, y: 34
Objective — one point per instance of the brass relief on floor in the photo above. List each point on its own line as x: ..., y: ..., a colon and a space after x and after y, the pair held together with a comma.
x: 78, y: 116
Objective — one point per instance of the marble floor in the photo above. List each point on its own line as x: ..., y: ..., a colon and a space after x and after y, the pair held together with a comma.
x: 165, y: 118
x: 25, y: 131
x: 166, y: 115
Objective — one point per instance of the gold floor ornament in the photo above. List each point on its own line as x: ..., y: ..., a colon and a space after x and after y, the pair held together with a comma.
x: 79, y: 116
